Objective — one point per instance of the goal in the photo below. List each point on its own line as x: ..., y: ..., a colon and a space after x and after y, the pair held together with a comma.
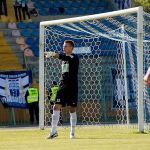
x: 112, y: 50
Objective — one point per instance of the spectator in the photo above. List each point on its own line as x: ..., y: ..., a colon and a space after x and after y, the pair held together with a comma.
x: 17, y: 9
x: 25, y: 9
x: 32, y: 10
x: 3, y: 2
x: 32, y: 99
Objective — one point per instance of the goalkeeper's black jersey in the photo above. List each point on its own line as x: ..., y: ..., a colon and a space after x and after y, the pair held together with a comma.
x: 70, y: 65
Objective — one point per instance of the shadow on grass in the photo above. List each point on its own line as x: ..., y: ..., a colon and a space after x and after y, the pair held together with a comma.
x: 141, y: 132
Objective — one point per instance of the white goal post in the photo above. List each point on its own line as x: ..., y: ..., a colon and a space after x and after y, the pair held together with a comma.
x: 139, y: 12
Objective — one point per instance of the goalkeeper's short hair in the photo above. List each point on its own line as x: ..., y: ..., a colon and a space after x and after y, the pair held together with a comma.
x: 70, y: 42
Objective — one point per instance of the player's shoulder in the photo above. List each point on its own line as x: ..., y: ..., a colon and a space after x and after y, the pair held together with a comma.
x: 74, y: 55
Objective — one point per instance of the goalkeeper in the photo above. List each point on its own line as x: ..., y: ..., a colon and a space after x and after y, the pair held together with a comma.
x: 68, y: 89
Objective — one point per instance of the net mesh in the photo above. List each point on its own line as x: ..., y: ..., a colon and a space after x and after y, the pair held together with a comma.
x: 107, y: 77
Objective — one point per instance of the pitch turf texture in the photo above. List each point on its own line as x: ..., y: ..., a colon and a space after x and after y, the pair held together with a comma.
x: 87, y: 138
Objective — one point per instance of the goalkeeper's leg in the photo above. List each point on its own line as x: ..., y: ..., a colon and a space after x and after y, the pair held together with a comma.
x: 55, y: 120
x: 73, y: 121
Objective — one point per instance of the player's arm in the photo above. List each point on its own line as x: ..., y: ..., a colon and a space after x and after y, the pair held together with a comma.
x: 147, y: 77
x: 66, y: 58
x: 59, y: 56
x: 51, y: 54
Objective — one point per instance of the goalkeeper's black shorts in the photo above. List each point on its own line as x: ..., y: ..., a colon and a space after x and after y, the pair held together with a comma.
x: 67, y: 94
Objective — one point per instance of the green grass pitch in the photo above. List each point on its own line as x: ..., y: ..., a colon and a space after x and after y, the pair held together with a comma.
x: 87, y: 138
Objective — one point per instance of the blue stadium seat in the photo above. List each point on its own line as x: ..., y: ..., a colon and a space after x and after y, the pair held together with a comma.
x: 99, y: 10
x: 93, y: 3
x: 90, y: 11
x: 43, y: 12
x: 38, y: 5
x: 32, y: 25
x: 67, y: 4
x: 47, y: 5
x: 30, y: 41
x: 58, y: 3
x: 70, y: 12
x: 75, y: 4
x: 53, y: 11
x: 102, y: 4
x: 51, y: 4
x: 21, y: 25
x: 25, y: 33
x: 82, y: 11
x: 35, y: 50
x: 85, y: 3
x: 35, y: 33
x: 37, y: 41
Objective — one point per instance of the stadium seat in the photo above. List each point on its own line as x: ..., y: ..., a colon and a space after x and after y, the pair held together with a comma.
x: 43, y: 12
x: 38, y: 5
x: 35, y: 50
x: 37, y: 41
x: 82, y: 11
x: 12, y: 25
x: 93, y: 4
x: 47, y: 4
x: 71, y: 11
x: 32, y: 25
x: 29, y: 41
x: 57, y: 3
x: 75, y: 4
x: 99, y: 10
x: 26, y: 33
x: 21, y: 25
x: 102, y: 4
x: 90, y: 11
x: 16, y: 33
x: 68, y: 4
x: 85, y: 3
x: 53, y: 11
x: 35, y: 33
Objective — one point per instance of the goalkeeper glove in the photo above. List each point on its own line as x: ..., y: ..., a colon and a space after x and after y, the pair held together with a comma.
x: 50, y: 54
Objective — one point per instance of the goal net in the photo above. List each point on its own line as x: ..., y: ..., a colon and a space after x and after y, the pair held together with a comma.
x: 110, y: 47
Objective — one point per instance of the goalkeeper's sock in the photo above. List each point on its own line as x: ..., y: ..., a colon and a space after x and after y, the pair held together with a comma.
x: 73, y: 122
x: 55, y: 119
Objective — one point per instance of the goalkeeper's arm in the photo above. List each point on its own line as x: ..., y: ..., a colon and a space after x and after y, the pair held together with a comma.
x: 51, y: 54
